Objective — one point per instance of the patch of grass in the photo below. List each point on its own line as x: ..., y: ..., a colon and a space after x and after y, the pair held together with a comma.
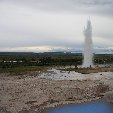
x: 89, y: 70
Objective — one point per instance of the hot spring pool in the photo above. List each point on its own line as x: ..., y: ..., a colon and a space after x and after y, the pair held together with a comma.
x: 90, y: 107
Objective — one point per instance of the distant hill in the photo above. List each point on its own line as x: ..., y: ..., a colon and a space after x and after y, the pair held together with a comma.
x: 17, y: 54
x: 33, y: 54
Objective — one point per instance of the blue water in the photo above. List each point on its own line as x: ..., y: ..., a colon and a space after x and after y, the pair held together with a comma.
x: 91, y: 107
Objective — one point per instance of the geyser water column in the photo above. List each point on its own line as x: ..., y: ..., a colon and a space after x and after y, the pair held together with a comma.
x: 88, y: 46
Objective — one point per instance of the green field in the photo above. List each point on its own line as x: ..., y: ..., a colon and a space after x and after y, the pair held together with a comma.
x: 20, y: 62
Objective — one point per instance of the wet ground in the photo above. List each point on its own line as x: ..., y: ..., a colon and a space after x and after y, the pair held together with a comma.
x: 56, y: 74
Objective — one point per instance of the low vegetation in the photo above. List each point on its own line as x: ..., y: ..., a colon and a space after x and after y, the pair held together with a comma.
x: 17, y: 62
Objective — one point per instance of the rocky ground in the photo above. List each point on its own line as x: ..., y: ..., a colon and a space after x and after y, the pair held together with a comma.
x: 31, y: 94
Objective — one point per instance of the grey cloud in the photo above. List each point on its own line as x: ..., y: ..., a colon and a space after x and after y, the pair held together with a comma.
x: 63, y: 2
x: 104, y: 7
x: 105, y: 35
x: 96, y: 2
x: 35, y: 41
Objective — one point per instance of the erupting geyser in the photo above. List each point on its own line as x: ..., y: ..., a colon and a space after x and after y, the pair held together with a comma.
x: 88, y: 46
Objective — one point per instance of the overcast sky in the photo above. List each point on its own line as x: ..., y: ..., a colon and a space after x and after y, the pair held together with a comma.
x: 54, y: 25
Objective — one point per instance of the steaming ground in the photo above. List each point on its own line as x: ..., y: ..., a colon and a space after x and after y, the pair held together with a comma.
x: 55, y: 74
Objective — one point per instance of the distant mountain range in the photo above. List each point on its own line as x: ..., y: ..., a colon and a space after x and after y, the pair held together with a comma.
x: 97, y: 50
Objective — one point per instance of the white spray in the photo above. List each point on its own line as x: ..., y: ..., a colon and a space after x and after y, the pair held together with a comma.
x: 88, y: 46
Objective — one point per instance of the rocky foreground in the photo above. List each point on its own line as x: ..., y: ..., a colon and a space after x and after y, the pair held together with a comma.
x: 31, y: 94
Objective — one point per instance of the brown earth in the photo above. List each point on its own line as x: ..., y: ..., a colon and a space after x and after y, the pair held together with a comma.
x: 30, y: 94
